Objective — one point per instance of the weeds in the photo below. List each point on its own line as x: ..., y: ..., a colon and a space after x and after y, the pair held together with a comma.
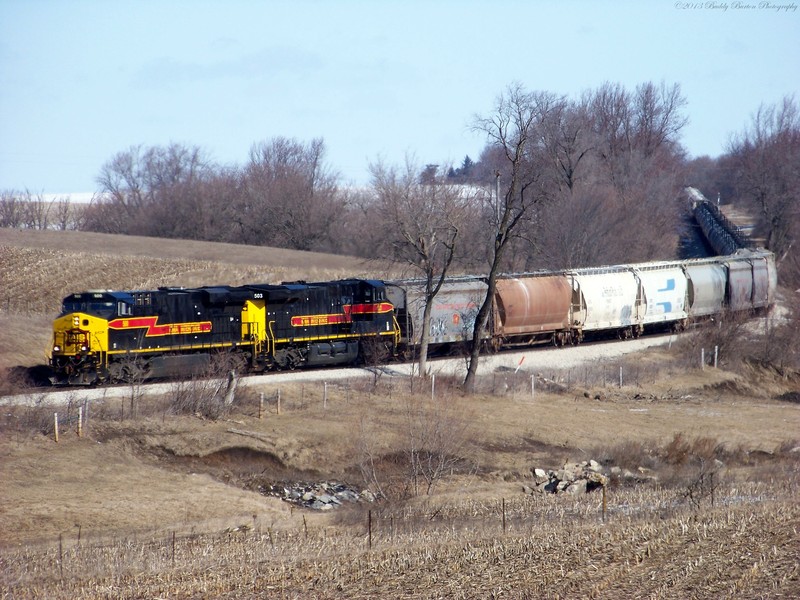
x: 433, y: 550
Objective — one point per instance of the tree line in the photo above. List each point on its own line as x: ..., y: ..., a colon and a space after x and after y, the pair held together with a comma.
x: 561, y: 182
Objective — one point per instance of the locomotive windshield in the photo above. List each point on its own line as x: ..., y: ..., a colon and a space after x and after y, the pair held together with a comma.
x: 106, y: 306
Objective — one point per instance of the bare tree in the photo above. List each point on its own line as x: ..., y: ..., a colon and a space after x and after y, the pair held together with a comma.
x: 63, y: 214
x: 515, y: 127
x: 765, y: 159
x: 616, y: 160
x: 423, y: 218
x: 150, y: 191
x: 635, y: 130
x: 568, y: 139
x: 657, y: 117
x: 290, y: 197
x: 11, y: 209
x: 437, y: 440
x: 35, y: 211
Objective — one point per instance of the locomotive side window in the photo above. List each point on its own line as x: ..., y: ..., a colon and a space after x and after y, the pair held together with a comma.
x: 143, y: 299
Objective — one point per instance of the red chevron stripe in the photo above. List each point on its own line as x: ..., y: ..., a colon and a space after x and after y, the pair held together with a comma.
x: 153, y: 329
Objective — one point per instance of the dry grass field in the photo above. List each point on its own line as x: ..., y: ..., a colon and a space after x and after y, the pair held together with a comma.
x: 152, y: 502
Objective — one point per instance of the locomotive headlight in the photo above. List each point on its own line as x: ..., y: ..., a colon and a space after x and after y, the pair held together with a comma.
x: 84, y: 348
x: 56, y: 348
x: 76, y: 321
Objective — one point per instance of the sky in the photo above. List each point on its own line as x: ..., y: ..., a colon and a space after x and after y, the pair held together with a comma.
x: 377, y: 80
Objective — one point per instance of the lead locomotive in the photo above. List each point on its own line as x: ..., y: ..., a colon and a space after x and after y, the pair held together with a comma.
x: 116, y: 336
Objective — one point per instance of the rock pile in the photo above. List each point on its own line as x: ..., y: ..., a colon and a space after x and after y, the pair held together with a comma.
x: 317, y: 496
x: 583, y: 477
x: 573, y: 478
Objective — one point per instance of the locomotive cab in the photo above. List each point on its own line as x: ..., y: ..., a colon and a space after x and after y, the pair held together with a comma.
x: 80, y: 334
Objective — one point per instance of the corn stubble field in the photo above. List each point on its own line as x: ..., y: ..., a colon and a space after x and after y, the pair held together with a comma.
x: 155, y: 501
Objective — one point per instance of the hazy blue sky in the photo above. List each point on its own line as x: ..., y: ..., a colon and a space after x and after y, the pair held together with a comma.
x: 83, y: 80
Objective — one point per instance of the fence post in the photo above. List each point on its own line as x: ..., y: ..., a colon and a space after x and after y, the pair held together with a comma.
x: 716, y: 355
x: 504, y: 514
x: 55, y: 425
x: 703, y: 359
x: 261, y: 405
x: 325, y: 395
x: 620, y: 376
x: 80, y: 421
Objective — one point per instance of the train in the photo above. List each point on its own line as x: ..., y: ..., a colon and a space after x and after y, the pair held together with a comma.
x: 106, y: 336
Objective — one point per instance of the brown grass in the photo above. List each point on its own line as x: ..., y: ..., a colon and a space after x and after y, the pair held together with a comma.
x: 133, y: 483
x: 149, y: 503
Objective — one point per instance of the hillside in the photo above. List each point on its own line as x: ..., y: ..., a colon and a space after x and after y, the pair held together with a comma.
x: 39, y: 268
x: 179, y: 506
x: 442, y: 494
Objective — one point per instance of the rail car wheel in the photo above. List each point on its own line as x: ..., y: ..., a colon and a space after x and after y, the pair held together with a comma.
x: 127, y: 371
x: 295, y: 358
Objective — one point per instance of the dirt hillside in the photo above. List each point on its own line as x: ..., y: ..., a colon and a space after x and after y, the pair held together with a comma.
x: 698, y: 469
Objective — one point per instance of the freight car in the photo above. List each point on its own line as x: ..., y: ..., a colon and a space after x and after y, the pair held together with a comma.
x: 567, y: 307
x: 452, y: 314
x: 114, y: 336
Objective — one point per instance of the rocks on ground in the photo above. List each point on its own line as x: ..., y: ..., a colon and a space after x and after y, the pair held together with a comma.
x: 579, y: 478
x: 317, y: 496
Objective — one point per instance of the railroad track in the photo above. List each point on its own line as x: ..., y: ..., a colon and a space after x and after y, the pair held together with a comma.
x: 533, y: 360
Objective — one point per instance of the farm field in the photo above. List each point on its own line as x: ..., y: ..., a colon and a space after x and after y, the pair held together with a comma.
x: 153, y: 500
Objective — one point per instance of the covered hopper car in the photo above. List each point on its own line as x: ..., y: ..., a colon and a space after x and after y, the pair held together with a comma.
x: 568, y: 307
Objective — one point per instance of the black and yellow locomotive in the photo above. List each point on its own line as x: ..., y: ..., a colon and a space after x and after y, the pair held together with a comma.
x: 116, y: 336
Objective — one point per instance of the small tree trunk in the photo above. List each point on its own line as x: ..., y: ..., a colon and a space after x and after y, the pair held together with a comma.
x: 230, y: 393
x: 425, y: 338
x: 475, y: 348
